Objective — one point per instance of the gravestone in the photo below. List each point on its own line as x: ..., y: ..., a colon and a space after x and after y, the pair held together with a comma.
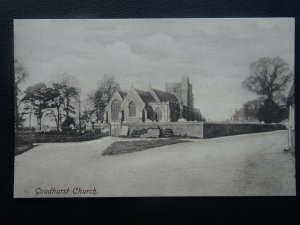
x: 124, y: 131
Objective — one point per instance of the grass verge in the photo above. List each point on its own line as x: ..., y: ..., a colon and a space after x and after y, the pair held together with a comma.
x: 66, y: 137
x: 23, y: 148
x: 27, y: 138
x: 120, y: 147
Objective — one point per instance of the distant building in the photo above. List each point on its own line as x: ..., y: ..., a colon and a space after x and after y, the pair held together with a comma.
x: 138, y: 106
x: 242, y: 116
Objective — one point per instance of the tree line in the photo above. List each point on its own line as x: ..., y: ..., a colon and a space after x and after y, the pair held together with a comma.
x: 60, y: 101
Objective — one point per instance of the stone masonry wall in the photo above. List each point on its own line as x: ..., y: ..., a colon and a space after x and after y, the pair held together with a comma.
x: 188, y: 129
x: 197, y: 129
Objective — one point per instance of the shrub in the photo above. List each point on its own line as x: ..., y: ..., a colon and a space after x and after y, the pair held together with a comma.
x: 67, y: 136
x: 22, y: 138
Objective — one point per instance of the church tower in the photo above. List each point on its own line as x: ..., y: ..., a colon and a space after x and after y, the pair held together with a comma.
x: 183, y: 91
x: 186, y: 92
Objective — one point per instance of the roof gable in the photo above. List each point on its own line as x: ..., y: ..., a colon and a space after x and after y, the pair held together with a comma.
x: 117, y: 95
x: 122, y: 94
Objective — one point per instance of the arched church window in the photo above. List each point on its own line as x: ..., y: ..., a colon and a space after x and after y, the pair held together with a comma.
x: 132, y: 109
x: 115, y: 109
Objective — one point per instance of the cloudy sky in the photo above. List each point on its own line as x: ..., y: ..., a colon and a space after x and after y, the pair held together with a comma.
x: 215, y: 53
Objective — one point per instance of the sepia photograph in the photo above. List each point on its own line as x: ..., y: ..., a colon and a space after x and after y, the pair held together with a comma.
x: 154, y: 107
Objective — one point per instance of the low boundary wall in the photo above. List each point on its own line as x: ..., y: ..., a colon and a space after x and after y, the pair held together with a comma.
x: 211, y: 130
x: 193, y: 129
x: 173, y: 129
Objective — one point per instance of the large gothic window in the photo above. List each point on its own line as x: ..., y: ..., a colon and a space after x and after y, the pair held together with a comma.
x: 115, y: 109
x: 131, y: 109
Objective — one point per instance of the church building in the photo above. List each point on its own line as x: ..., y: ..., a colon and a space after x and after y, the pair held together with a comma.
x: 139, y: 106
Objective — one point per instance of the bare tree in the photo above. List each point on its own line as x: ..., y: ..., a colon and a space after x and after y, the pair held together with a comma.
x: 269, y: 77
x: 88, y: 110
x: 20, y: 76
x: 100, y: 98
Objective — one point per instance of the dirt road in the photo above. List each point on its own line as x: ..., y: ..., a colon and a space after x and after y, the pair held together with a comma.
x: 252, y: 164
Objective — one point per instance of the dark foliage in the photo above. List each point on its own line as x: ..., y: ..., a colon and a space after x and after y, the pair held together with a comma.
x: 252, y: 109
x: 37, y: 99
x: 271, y: 112
x: 67, y: 136
x: 269, y: 78
x: 68, y: 122
x: 212, y: 130
x: 23, y: 138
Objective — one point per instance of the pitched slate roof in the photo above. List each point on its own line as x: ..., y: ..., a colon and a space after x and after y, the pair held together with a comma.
x: 146, y: 96
x: 164, y: 96
x: 123, y: 94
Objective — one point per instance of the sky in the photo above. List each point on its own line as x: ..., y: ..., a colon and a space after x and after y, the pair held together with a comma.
x: 214, y: 53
